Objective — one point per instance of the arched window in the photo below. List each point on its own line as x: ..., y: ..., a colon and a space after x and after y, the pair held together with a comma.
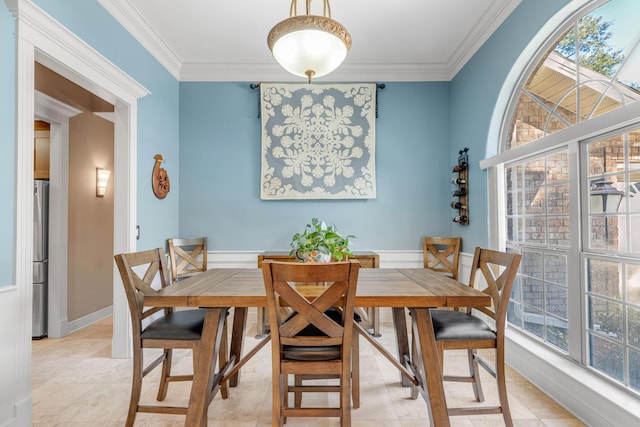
x: 572, y: 201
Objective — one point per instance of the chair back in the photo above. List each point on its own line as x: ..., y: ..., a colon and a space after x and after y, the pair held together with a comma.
x: 442, y: 254
x: 187, y: 256
x: 308, y: 290
x: 140, y: 272
x: 498, y: 269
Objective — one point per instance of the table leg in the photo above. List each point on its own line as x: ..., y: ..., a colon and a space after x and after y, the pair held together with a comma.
x: 204, y: 374
x: 402, y: 339
x: 262, y: 320
x: 237, y: 339
x: 428, y: 356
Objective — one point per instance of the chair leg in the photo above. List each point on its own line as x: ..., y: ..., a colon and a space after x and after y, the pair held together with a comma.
x: 166, y: 372
x: 284, y: 397
x: 297, y: 395
x: 475, y: 374
x: 223, y: 358
x: 136, y: 388
x: 355, y: 369
x: 502, y: 387
x: 345, y: 399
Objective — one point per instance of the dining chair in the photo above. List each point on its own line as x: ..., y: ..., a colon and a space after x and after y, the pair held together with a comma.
x: 494, y: 273
x: 187, y: 257
x: 143, y: 273
x: 314, y: 336
x: 442, y: 254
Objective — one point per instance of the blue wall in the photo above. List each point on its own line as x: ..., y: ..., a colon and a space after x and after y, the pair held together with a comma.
x: 474, y: 92
x: 209, y: 135
x: 158, y: 127
x: 7, y: 143
x: 220, y: 172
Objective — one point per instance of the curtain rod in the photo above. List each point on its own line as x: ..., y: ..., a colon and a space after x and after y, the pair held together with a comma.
x: 257, y: 85
x: 378, y: 86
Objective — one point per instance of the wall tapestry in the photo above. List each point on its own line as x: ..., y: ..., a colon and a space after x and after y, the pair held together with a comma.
x: 318, y: 141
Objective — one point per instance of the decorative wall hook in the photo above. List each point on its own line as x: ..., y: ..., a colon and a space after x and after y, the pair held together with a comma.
x: 160, y: 179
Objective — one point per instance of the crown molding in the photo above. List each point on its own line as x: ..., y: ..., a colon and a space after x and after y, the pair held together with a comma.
x: 485, y: 27
x: 345, y: 73
x: 130, y: 18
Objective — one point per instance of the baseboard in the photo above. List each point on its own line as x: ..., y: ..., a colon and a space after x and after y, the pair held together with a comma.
x: 89, y: 319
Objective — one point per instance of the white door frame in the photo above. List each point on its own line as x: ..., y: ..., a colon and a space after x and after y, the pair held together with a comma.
x: 57, y: 114
x: 41, y: 38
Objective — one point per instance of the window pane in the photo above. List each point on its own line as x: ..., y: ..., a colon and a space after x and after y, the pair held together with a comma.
x: 532, y: 293
x: 607, y: 357
x: 534, y: 322
x: 633, y: 283
x: 558, y: 166
x: 604, y: 233
x: 514, y: 229
x: 558, y: 199
x: 557, y: 333
x: 634, y: 369
x: 535, y: 229
x: 558, y: 229
x: 512, y: 203
x: 528, y: 121
x: 603, y: 278
x: 514, y: 314
x: 556, y: 301
x: 605, y: 317
x: 633, y: 320
x: 555, y: 269
x: 535, y: 201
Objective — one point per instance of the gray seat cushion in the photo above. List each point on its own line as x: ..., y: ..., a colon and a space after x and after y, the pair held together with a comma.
x: 178, y: 325
x: 457, y: 325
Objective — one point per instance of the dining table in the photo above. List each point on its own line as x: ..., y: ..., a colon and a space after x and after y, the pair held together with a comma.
x: 414, y: 289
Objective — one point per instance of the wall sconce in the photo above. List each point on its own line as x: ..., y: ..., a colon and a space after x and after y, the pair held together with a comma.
x: 102, y: 177
x: 605, y: 198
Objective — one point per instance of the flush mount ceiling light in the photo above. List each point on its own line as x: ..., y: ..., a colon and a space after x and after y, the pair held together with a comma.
x: 309, y: 45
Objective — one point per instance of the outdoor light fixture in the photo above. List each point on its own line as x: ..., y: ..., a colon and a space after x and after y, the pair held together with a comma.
x: 604, y: 197
x: 102, y: 177
x: 309, y: 45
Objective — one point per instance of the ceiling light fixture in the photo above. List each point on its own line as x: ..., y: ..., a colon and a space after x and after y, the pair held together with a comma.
x: 309, y: 45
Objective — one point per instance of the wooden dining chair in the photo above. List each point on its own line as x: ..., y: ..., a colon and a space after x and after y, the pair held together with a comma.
x: 187, y: 257
x: 494, y: 273
x: 142, y: 274
x: 442, y: 254
x: 314, y: 336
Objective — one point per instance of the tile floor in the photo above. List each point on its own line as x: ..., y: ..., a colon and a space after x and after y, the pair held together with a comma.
x: 76, y: 383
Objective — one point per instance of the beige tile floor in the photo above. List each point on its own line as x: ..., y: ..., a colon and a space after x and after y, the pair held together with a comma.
x: 76, y: 383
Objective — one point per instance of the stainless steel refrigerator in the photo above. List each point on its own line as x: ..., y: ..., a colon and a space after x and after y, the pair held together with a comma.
x: 40, y: 257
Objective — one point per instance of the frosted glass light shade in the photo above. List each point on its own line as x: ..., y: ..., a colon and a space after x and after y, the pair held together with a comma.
x: 102, y: 177
x: 309, y: 45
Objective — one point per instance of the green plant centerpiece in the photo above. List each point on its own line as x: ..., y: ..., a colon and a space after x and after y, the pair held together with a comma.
x: 320, y: 243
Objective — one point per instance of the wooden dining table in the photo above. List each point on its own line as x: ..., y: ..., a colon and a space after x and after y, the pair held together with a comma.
x: 418, y: 290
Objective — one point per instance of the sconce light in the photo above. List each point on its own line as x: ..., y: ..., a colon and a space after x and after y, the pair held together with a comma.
x: 102, y: 177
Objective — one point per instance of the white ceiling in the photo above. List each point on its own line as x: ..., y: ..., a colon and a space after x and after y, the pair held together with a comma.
x: 396, y: 40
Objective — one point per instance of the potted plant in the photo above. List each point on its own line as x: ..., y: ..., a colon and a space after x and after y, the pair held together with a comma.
x: 320, y: 243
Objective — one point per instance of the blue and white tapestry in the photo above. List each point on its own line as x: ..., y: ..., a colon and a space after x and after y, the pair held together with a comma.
x: 318, y: 141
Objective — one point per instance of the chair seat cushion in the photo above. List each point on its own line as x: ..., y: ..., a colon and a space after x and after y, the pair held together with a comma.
x: 457, y: 325
x: 178, y: 325
x: 295, y: 352
x: 329, y: 352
